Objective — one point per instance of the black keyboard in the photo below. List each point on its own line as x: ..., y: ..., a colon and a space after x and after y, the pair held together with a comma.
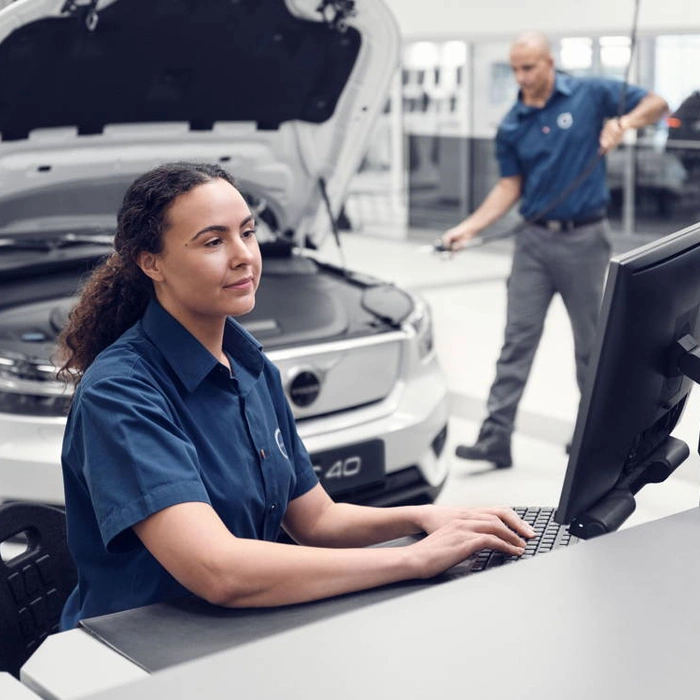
x: 549, y: 535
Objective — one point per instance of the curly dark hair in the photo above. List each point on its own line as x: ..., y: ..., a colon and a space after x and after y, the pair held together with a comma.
x: 117, y: 292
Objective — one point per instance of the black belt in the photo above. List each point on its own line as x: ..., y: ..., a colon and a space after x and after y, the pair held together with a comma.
x: 568, y: 224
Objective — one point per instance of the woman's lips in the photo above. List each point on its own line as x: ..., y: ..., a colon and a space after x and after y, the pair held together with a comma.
x: 240, y: 284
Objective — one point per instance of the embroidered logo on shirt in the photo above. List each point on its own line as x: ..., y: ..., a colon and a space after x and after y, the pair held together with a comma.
x: 565, y: 120
x: 280, y: 443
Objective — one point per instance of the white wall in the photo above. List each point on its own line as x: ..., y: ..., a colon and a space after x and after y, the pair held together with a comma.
x: 472, y: 18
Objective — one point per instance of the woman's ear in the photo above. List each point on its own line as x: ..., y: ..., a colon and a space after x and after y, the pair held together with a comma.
x: 149, y: 263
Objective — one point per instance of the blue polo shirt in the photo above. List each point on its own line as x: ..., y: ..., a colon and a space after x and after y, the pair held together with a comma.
x: 552, y: 145
x: 156, y: 421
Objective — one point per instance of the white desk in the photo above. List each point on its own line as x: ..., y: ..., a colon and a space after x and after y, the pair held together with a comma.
x: 612, y: 618
x: 12, y: 689
x: 74, y: 664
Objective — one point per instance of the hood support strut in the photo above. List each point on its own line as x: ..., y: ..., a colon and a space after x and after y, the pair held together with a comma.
x: 334, y: 223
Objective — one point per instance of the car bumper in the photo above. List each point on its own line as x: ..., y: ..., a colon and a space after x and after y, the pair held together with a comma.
x: 30, y: 458
x: 412, y: 426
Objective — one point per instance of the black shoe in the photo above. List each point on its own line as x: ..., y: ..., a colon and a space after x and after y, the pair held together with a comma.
x: 489, y: 448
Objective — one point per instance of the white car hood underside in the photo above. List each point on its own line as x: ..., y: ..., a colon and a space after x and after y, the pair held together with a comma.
x: 280, y: 162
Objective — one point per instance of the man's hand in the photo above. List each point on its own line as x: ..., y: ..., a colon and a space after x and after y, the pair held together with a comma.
x: 456, y: 237
x: 612, y: 134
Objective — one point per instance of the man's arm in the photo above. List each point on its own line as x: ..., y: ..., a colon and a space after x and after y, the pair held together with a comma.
x: 649, y: 110
x: 505, y: 193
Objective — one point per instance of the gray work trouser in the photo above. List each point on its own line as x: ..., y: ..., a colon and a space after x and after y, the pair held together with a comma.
x: 572, y: 263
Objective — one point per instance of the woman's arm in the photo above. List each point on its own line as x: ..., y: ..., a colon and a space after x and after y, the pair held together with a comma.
x: 193, y: 544
x: 315, y: 519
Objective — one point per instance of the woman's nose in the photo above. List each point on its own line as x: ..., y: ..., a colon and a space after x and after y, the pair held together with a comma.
x: 241, y: 253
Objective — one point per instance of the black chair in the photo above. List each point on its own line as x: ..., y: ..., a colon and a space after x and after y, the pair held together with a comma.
x: 35, y: 583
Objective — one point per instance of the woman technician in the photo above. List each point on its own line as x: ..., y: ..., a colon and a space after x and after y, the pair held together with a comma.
x: 181, y: 460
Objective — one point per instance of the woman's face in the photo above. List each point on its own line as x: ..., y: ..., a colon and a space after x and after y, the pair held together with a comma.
x: 210, y: 264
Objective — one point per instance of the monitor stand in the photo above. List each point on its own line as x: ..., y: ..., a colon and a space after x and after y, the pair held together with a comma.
x: 613, y: 509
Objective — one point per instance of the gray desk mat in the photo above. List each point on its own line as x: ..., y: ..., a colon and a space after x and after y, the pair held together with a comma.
x: 158, y: 636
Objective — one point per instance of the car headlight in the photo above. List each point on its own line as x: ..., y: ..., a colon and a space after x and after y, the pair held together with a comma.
x: 421, y: 321
x: 31, y: 388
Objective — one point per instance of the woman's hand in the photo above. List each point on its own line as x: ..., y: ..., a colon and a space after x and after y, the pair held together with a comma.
x: 434, y: 517
x: 456, y: 533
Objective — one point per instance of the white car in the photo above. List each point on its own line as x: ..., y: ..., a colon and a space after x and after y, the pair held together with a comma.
x: 284, y: 94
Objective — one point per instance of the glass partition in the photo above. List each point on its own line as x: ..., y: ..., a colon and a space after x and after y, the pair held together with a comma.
x: 435, y: 93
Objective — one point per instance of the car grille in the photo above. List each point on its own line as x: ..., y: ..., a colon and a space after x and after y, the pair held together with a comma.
x: 340, y: 376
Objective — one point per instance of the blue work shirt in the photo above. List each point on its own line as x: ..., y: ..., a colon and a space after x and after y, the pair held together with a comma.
x: 156, y: 421
x: 551, y: 146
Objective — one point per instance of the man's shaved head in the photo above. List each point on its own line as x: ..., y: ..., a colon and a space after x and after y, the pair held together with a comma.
x: 533, y: 39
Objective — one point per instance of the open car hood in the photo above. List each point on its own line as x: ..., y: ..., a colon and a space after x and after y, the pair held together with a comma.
x: 282, y: 93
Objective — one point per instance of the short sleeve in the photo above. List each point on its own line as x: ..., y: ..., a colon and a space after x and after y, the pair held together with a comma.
x: 134, y: 457
x: 306, y: 476
x: 507, y: 156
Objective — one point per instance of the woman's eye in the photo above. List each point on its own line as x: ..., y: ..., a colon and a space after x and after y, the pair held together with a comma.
x: 247, y: 234
x: 213, y: 243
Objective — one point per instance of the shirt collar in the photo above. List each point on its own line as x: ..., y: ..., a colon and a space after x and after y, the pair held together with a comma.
x: 563, y: 84
x: 188, y: 358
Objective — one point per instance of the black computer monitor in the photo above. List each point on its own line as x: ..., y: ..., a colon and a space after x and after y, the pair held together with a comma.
x: 638, y: 383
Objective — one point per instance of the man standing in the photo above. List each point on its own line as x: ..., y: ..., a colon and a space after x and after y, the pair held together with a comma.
x: 547, y: 148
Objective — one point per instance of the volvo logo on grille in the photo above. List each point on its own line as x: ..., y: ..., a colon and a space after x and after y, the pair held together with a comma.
x: 305, y: 388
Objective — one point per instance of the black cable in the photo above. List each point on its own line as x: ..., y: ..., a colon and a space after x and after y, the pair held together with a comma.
x: 633, y: 46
